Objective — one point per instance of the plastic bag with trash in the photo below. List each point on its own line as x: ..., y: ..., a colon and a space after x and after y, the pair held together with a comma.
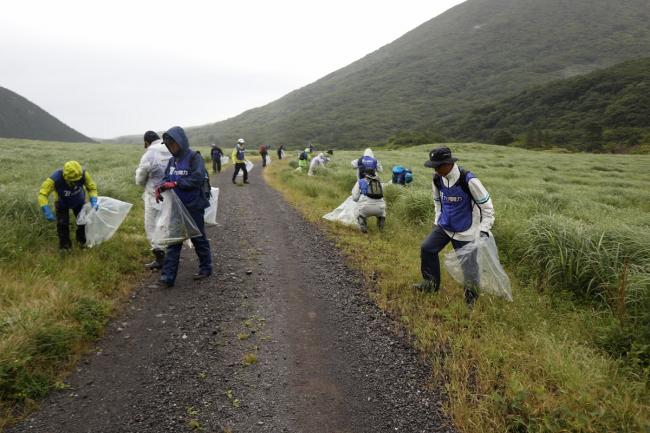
x: 249, y: 167
x: 210, y: 216
x: 482, y: 252
x: 101, y: 224
x: 345, y: 213
x: 268, y: 159
x: 174, y: 223
x: 225, y: 160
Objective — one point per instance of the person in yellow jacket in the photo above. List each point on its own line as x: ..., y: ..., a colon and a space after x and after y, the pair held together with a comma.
x: 239, y: 158
x: 69, y: 186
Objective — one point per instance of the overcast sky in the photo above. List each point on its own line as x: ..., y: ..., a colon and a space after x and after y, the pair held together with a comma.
x: 121, y: 67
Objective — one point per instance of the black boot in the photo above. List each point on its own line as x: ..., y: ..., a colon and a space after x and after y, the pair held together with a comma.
x: 158, y: 262
x: 381, y: 221
x: 471, y: 295
x: 363, y: 224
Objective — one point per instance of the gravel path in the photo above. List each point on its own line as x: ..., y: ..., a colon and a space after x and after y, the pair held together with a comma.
x: 323, y: 358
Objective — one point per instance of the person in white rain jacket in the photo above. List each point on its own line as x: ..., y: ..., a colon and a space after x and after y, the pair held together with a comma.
x: 149, y: 174
x: 319, y: 161
x: 369, y: 195
x: 367, y: 162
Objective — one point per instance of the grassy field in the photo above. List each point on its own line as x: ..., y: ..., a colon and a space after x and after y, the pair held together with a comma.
x: 572, y: 352
x: 52, y: 305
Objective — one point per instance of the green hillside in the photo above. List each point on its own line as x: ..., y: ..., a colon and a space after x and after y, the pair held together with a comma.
x: 604, y: 110
x: 20, y: 118
x: 476, y: 53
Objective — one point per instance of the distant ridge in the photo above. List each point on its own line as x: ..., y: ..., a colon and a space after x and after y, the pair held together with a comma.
x: 477, y: 53
x: 20, y: 118
x: 608, y: 109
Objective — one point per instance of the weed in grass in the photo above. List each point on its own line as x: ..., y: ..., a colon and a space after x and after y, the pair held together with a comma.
x: 242, y: 336
x: 249, y: 359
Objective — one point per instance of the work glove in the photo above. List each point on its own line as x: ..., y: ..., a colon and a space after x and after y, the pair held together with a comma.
x: 47, y: 213
x: 93, y: 203
x: 166, y: 185
x: 158, y: 193
x: 485, y: 235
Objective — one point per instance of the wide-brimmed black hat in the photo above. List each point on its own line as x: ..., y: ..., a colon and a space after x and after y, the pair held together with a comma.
x: 440, y: 156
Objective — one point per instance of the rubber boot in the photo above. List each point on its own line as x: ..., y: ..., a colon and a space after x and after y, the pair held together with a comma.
x: 158, y: 262
x: 381, y: 221
x: 471, y: 295
x: 363, y: 224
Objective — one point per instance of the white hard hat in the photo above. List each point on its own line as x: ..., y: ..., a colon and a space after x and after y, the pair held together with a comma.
x: 241, y: 141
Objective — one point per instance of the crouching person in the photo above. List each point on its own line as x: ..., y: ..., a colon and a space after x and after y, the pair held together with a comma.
x: 464, y: 211
x: 185, y: 175
x: 369, y: 195
x: 69, y: 185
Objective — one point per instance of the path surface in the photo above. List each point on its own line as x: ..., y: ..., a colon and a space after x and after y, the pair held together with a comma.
x: 328, y: 361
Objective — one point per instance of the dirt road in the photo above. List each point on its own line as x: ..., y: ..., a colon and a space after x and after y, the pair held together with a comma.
x: 322, y: 358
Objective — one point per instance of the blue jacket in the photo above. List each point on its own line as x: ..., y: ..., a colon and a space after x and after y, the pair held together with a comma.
x: 188, y: 171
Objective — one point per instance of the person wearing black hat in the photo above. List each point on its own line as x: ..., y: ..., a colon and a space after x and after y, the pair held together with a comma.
x: 149, y: 174
x: 464, y: 211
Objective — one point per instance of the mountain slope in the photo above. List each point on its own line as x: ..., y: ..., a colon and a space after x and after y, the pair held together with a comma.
x: 606, y: 107
x: 478, y: 52
x: 20, y: 118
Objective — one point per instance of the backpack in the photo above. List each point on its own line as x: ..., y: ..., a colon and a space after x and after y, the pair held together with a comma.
x: 206, y: 188
x: 303, y: 155
x: 374, y: 189
x: 408, y: 177
x: 262, y: 149
x: 462, y: 182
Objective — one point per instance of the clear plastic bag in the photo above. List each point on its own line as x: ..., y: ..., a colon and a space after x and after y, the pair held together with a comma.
x: 174, y: 223
x: 268, y: 159
x: 346, y: 213
x: 101, y: 224
x: 225, y: 160
x: 210, y: 216
x: 483, y: 253
x: 249, y: 167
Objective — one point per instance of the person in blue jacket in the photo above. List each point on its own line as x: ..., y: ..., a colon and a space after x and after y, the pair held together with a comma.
x: 464, y: 212
x: 185, y: 175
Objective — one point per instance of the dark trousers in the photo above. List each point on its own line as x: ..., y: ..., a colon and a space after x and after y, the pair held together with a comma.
x: 430, y: 263
x: 279, y: 154
x: 201, y: 246
x: 264, y: 160
x: 240, y: 166
x: 63, y: 226
x: 216, y: 165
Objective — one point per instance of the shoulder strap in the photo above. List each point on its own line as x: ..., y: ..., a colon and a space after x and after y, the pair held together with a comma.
x: 436, y: 181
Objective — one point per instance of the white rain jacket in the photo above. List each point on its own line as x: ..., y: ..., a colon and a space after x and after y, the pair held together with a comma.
x: 482, y: 208
x: 319, y: 161
x: 149, y: 174
x: 366, y: 206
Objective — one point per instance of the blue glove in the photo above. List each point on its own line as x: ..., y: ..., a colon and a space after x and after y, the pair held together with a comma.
x: 93, y: 203
x: 47, y: 213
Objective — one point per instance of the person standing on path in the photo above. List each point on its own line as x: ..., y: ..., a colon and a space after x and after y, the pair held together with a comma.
x: 149, y: 174
x: 264, y: 153
x: 239, y: 158
x: 369, y: 195
x: 216, y: 153
x: 185, y: 175
x: 464, y: 211
x: 281, y: 152
x: 69, y: 185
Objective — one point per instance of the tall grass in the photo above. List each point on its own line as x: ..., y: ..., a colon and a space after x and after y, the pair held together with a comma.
x: 570, y: 353
x: 52, y: 305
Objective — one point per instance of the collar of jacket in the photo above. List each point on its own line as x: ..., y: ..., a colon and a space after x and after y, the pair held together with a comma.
x: 452, y: 177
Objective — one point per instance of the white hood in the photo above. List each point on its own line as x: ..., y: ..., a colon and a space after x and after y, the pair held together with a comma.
x: 369, y: 152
